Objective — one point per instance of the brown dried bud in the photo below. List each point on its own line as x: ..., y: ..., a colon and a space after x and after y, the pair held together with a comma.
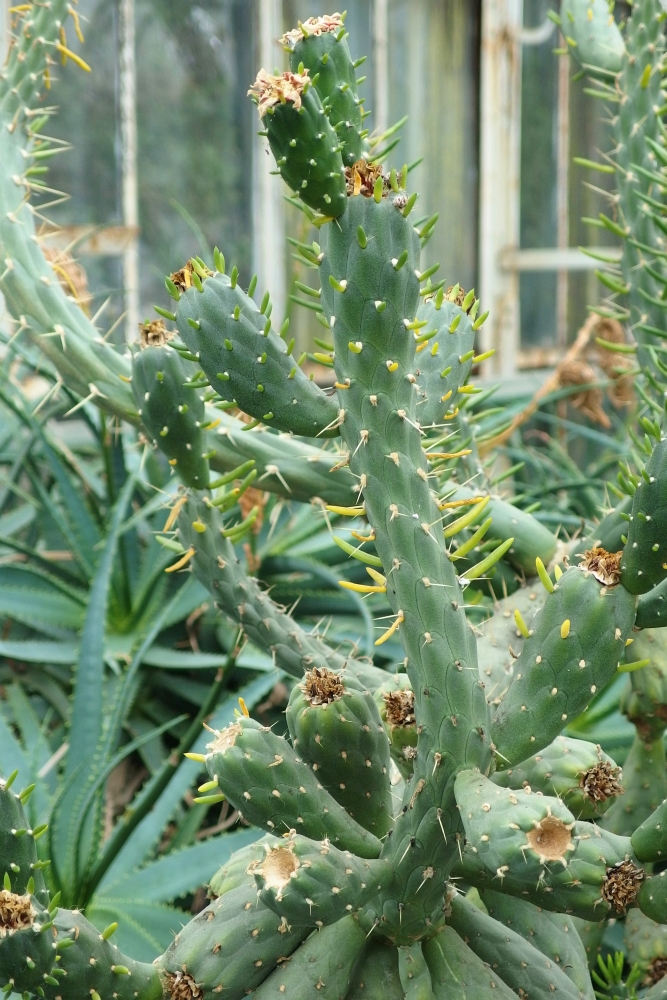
x: 621, y: 885
x: 322, y: 686
x: 270, y: 90
x: 605, y: 566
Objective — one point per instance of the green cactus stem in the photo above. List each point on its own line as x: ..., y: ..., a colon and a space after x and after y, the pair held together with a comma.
x: 531, y: 539
x: 27, y: 950
x: 573, y: 649
x: 215, y: 563
x: 335, y: 725
x: 637, y: 133
x: 501, y: 640
x: 444, y: 356
x: 91, y: 965
x: 19, y: 865
x: 458, y: 974
x: 234, y: 873
x: 644, y: 699
x: 377, y: 975
x: 592, y: 35
x: 554, y: 934
x: 532, y: 840
x: 306, y: 882
x: 522, y: 966
x: 415, y: 973
x: 320, y: 45
x: 324, y: 965
x: 646, y: 947
x: 645, y: 780
x: 172, y: 413
x: 230, y: 947
x: 262, y: 776
x: 302, y: 139
x: 652, y: 898
x: 652, y: 607
x: 379, y: 429
x: 579, y: 773
x: 649, y: 840
x: 644, y: 560
x: 246, y: 361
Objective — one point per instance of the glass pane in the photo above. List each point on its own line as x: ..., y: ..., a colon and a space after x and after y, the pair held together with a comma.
x: 539, y: 108
x: 434, y: 73
x: 195, y: 63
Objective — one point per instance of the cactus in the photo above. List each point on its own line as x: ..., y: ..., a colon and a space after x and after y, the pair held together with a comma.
x: 27, y: 951
x: 19, y: 865
x: 261, y: 774
x: 572, y: 651
x: 245, y: 360
x: 592, y: 34
x: 170, y: 410
x: 646, y: 947
x: 355, y: 883
x: 320, y: 47
x: 587, y: 780
x: 338, y: 729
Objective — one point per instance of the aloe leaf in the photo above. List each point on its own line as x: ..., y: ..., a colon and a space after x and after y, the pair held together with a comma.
x: 17, y: 519
x: 181, y: 872
x: 93, y: 784
x: 151, y: 812
x: 38, y: 750
x: 87, y: 710
x: 32, y: 601
x: 27, y: 575
x: 81, y: 556
x: 144, y: 929
x: 86, y: 735
x: 12, y: 755
x: 82, y: 525
x: 181, y: 659
x: 40, y: 651
x: 51, y: 567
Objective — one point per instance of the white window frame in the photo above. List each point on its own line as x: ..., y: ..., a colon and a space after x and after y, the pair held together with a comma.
x: 501, y: 260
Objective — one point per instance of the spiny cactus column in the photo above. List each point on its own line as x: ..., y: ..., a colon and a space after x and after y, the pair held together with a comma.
x: 49, y: 952
x: 370, y: 293
x: 628, y: 70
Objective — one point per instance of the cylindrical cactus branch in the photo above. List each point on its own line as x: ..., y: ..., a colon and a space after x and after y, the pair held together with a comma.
x: 370, y: 294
